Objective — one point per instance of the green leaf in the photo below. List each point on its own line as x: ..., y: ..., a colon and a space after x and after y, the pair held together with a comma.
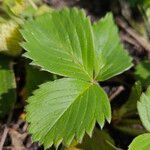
x: 142, y: 142
x: 142, y: 72
x: 135, y: 94
x: 130, y: 107
x: 65, y: 109
x: 35, y: 77
x: 112, y: 59
x: 62, y: 42
x: 64, y: 51
x: 144, y: 109
x: 7, y: 86
x: 99, y: 140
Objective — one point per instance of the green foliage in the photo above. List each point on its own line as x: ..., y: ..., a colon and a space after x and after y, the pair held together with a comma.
x: 35, y: 77
x: 130, y: 106
x: 100, y: 140
x: 65, y: 43
x: 144, y: 109
x: 65, y: 48
x: 7, y: 86
x: 125, y: 115
x: 111, y: 57
x: 142, y: 72
x: 142, y: 142
x: 68, y: 108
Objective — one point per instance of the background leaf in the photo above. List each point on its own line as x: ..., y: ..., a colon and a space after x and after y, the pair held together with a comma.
x: 142, y: 72
x: 130, y: 106
x: 144, y: 109
x: 10, y: 38
x: 35, y: 77
x: 7, y: 86
x: 142, y: 142
x: 99, y: 140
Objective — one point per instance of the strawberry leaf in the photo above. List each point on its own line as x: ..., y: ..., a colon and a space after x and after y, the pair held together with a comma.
x: 64, y: 45
x: 112, y: 59
x: 64, y: 109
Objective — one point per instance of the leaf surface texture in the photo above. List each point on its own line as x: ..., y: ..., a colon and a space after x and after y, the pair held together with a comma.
x: 60, y: 113
x: 112, y: 59
x: 66, y: 43
x: 65, y: 46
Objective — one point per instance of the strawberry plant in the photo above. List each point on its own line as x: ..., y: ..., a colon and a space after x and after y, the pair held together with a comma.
x: 66, y: 43
x: 144, y: 111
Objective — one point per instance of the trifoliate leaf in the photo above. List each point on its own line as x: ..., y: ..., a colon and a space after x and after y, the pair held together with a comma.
x: 10, y: 38
x: 7, y: 86
x: 142, y: 142
x: 111, y: 57
x: 65, y: 109
x: 144, y: 109
x: 142, y: 72
x: 61, y: 43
